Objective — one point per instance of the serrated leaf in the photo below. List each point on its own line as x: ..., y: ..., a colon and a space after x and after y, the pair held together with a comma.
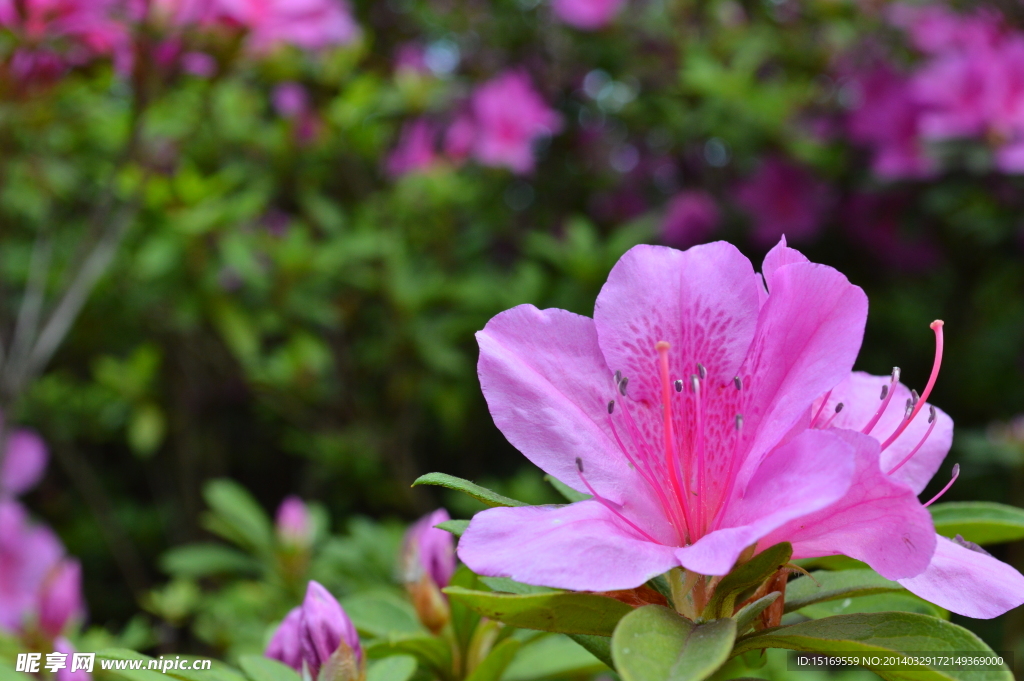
x: 202, y: 560
x: 653, y: 643
x: 981, y: 522
x: 553, y: 656
x: 743, y: 581
x: 558, y: 611
x: 803, y: 591
x: 881, y: 634
x: 456, y: 527
x: 260, y: 668
x: 482, y: 494
x: 493, y: 666
x: 745, y: 616
x: 394, y: 668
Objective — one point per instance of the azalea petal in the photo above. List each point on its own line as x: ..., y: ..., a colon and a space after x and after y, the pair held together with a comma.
x: 24, y: 462
x: 808, y: 336
x: 879, y: 521
x: 582, y: 546
x: 860, y: 395
x: 548, y: 388
x: 780, y: 255
x: 702, y: 301
x: 808, y: 474
x: 968, y: 582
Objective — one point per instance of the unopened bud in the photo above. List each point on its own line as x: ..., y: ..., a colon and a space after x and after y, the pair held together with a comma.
x: 428, y: 563
x: 286, y: 643
x: 293, y: 523
x: 324, y: 630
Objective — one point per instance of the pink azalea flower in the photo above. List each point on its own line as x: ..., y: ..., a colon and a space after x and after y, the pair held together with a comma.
x: 27, y: 554
x: 290, y: 99
x: 510, y: 116
x: 460, y: 138
x: 690, y: 219
x: 89, y: 26
x: 309, y: 24
x: 415, y: 151
x: 62, y: 645
x: 886, y: 119
x: 60, y: 597
x: 24, y: 462
x: 784, y: 199
x: 293, y: 523
x: 690, y: 408
x: 587, y: 15
x: 286, y: 644
x: 312, y: 632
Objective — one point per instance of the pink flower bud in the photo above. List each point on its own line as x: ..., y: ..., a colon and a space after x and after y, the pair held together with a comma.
x: 23, y: 463
x: 294, y: 524
x: 62, y: 645
x: 429, y: 550
x: 325, y: 628
x: 285, y: 645
x: 60, y: 598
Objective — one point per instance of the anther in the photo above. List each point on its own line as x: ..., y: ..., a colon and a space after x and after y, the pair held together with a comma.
x: 885, y: 391
x: 622, y: 385
x: 739, y: 422
x: 611, y: 406
x: 702, y: 371
x: 579, y: 464
x: 738, y: 382
x: 679, y: 386
x: 956, y: 474
x: 910, y: 403
x: 839, y: 407
x: 914, y: 396
x: 931, y: 413
x: 618, y: 377
x: 695, y: 383
x: 895, y: 374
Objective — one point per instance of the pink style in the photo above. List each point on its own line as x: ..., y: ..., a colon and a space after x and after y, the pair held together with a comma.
x: 700, y: 410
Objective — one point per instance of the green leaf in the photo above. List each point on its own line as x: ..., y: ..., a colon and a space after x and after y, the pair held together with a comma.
x: 202, y: 560
x: 653, y: 643
x: 381, y: 613
x: 474, y: 490
x: 886, y: 602
x: 493, y: 666
x: 743, y: 581
x: 433, y: 653
x: 464, y: 618
x: 237, y: 517
x: 456, y: 527
x: 559, y: 611
x: 394, y: 668
x: 511, y: 586
x: 803, y: 591
x: 598, y: 646
x: 569, y: 493
x: 881, y: 634
x: 745, y: 616
x: 259, y: 668
x: 981, y: 522
x: 553, y: 656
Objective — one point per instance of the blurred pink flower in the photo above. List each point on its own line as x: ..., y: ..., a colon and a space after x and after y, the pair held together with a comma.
x: 428, y: 550
x: 24, y: 462
x: 62, y: 645
x: 60, y: 598
x: 410, y: 58
x: 885, y: 118
x: 690, y: 218
x: 784, y: 199
x: 587, y: 15
x: 27, y: 554
x: 86, y: 28
x: 293, y: 523
x: 460, y: 138
x: 309, y: 24
x: 415, y: 151
x: 290, y: 99
x: 198, y: 64
x: 510, y: 115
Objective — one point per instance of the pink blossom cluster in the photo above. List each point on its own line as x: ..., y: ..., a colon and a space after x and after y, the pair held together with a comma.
x: 502, y: 121
x: 587, y: 15
x: 969, y: 85
x: 40, y: 587
x: 784, y: 199
x: 56, y: 34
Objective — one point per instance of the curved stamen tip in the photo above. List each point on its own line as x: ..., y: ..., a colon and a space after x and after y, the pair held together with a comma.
x: 579, y: 464
x: 839, y: 407
x: 956, y: 474
x: 702, y: 371
x: 931, y: 413
x: 611, y: 406
x: 679, y: 385
x: 738, y: 382
x: 622, y: 385
x: 885, y: 391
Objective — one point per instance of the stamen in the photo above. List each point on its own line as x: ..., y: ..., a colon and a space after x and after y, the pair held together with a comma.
x: 936, y: 326
x: 699, y: 436
x: 914, y: 397
x: 738, y: 382
x: 671, y: 458
x: 702, y: 371
x: 622, y: 385
x: 645, y: 472
x: 611, y: 506
x: 956, y: 474
x: 739, y: 422
x: 611, y: 406
x: 839, y: 408
x: 908, y: 457
x: 618, y: 377
x: 887, y: 393
x: 679, y: 386
x: 821, y: 408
